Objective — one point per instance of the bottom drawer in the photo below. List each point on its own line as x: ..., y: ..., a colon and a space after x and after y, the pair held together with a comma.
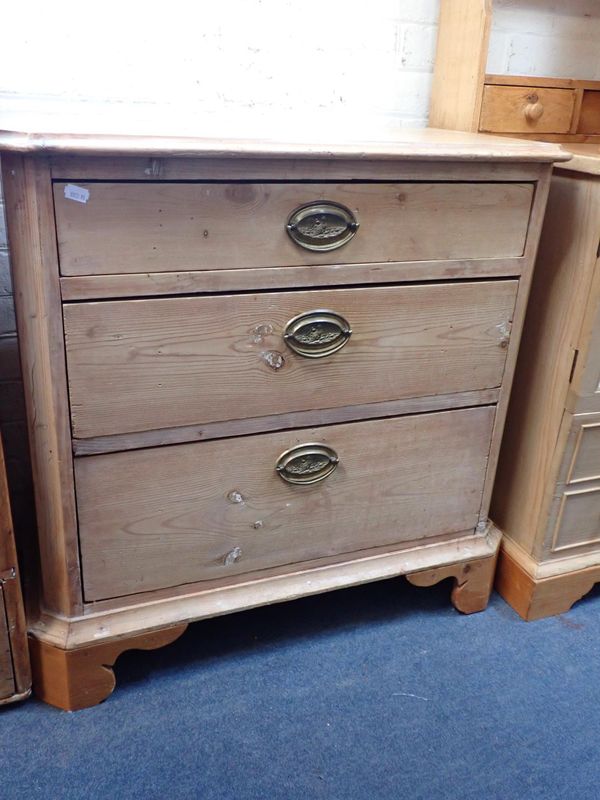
x: 155, y: 518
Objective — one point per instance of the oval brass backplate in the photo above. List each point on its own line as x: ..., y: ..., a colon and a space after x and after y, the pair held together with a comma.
x: 322, y: 225
x: 317, y: 333
x: 307, y: 463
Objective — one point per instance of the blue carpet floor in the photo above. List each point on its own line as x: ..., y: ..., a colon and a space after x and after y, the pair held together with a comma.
x: 381, y: 691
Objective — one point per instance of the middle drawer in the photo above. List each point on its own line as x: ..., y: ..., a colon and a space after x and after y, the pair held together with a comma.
x: 137, y: 365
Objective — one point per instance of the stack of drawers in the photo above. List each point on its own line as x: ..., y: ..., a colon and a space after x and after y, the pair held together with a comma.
x: 282, y: 373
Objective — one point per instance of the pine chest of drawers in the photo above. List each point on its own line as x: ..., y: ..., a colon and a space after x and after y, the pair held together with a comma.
x: 256, y: 372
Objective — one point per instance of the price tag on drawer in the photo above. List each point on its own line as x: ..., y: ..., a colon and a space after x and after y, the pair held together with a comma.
x: 77, y: 193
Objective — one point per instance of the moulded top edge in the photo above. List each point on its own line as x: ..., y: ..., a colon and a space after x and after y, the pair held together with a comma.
x: 410, y: 144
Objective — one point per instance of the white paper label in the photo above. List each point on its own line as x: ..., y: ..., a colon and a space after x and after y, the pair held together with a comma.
x: 77, y: 193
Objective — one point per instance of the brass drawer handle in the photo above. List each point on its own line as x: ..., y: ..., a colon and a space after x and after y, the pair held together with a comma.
x: 317, y: 333
x: 307, y: 463
x: 322, y: 226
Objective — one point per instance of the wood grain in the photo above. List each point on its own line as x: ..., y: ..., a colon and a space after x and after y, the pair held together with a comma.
x: 535, y: 599
x: 472, y: 583
x: 196, y: 360
x: 102, y: 287
x: 531, y: 250
x: 15, y: 673
x: 585, y: 158
x: 589, y: 116
x: 32, y: 240
x: 416, y: 144
x: 277, y: 422
x: 537, y: 81
x: 173, y: 168
x: 577, y: 519
x: 585, y: 463
x: 76, y: 679
x: 504, y: 109
x: 584, y: 391
x: 156, y: 518
x: 532, y: 450
x: 460, y: 60
x: 107, y: 620
x: 162, y: 227
x: 7, y: 676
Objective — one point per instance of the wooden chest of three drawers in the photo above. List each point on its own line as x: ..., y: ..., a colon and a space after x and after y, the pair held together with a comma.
x: 258, y: 372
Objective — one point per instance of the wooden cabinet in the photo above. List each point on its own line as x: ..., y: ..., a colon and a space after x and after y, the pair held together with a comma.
x: 15, y: 674
x: 547, y: 499
x: 258, y: 372
x: 466, y: 97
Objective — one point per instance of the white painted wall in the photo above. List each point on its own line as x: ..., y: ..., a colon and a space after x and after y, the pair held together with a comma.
x: 547, y: 38
x: 280, y: 68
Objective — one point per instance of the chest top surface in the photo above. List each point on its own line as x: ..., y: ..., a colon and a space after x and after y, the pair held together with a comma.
x: 406, y: 144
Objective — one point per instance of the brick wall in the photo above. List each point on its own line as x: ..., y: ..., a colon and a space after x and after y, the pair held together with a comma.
x: 551, y: 38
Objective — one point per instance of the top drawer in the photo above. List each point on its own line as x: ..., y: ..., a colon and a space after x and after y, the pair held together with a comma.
x: 169, y: 227
x: 526, y: 109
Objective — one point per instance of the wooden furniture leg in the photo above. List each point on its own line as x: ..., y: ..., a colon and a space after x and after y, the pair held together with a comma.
x: 534, y: 599
x: 76, y: 679
x: 472, y: 582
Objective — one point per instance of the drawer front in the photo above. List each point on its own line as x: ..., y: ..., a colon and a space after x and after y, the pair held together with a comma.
x: 161, y: 227
x: 167, y: 516
x: 522, y: 109
x: 139, y: 365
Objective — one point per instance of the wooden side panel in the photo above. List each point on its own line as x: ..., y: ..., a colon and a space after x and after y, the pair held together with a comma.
x: 147, y: 364
x: 515, y: 109
x: 15, y: 675
x: 585, y: 462
x: 575, y: 509
x: 531, y: 451
x: 165, y: 227
x: 156, y: 518
x: 585, y: 383
x: 535, y: 599
x: 589, y: 116
x: 577, y: 522
x: 460, y: 61
x: 32, y: 241
x: 7, y: 678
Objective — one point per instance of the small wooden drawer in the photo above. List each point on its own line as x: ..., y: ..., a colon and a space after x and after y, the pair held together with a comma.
x: 166, y: 227
x: 523, y: 109
x: 136, y: 365
x: 589, y: 116
x: 208, y: 510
